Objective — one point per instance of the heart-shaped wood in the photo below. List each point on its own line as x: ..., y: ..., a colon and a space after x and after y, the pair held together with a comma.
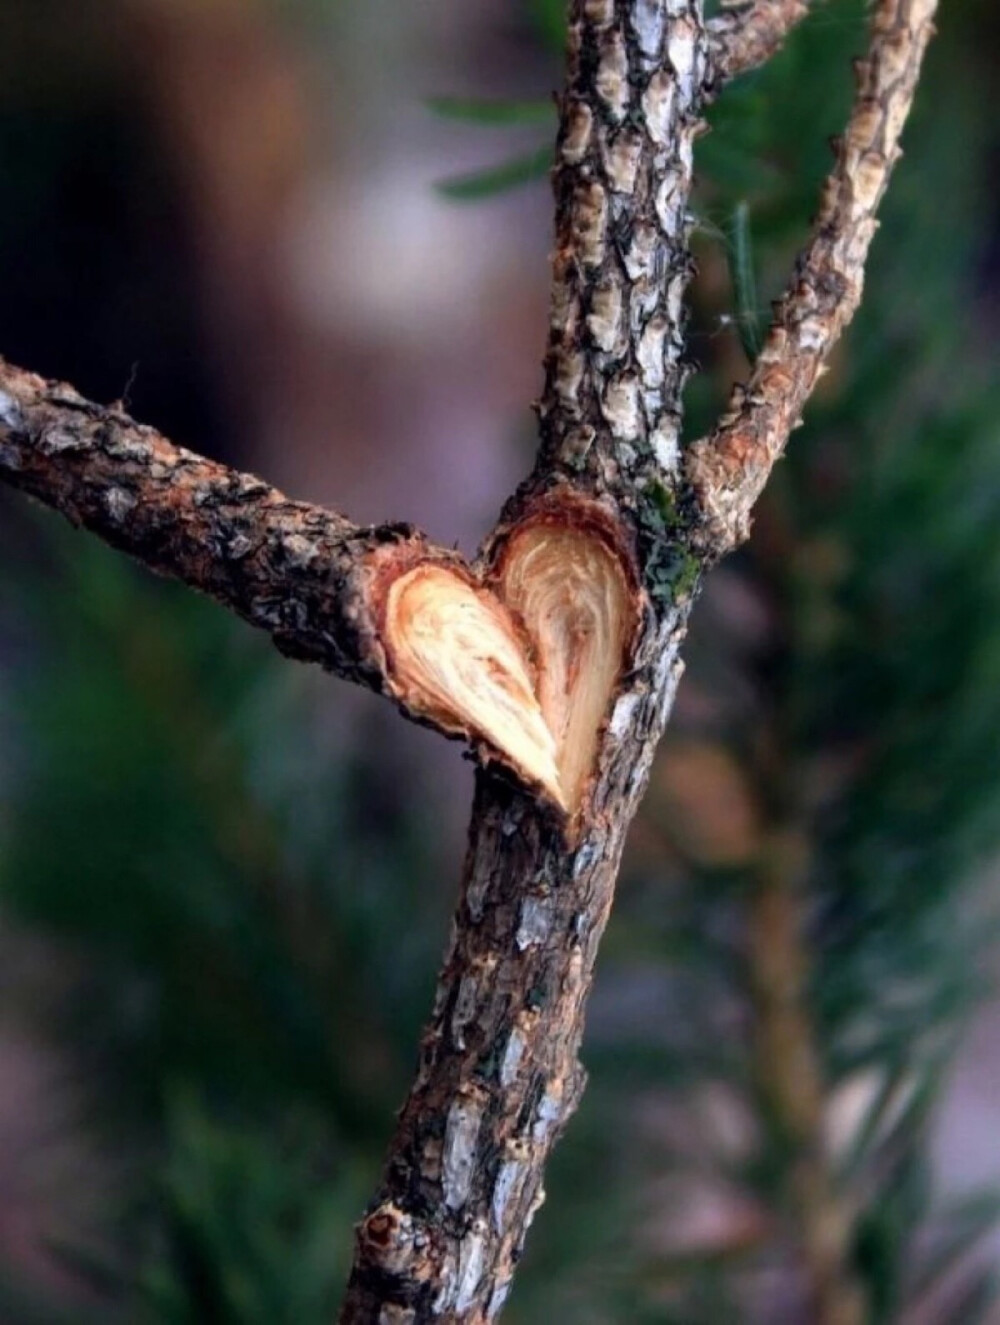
x: 459, y: 660
x: 528, y: 664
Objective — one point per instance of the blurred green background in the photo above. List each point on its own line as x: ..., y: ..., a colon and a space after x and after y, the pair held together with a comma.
x: 225, y: 881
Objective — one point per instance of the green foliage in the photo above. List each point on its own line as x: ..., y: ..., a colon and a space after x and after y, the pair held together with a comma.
x: 250, y: 1010
x: 549, y: 17
x: 524, y: 169
x: 251, y: 1223
x: 744, y: 279
x: 493, y: 114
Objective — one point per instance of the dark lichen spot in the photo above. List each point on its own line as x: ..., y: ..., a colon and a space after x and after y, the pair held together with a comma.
x: 671, y: 570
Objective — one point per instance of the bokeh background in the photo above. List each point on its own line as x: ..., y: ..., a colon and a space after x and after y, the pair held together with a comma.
x: 225, y: 880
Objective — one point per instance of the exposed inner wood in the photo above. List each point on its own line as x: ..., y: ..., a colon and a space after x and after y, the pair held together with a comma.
x: 529, y: 668
x: 570, y: 591
x: 457, y: 658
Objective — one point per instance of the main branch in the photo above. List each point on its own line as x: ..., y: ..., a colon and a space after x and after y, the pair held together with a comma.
x: 499, y: 1073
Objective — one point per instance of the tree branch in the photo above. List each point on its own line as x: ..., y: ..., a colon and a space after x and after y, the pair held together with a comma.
x: 296, y: 571
x: 614, y: 367
x: 790, y: 1080
x: 557, y: 653
x: 727, y: 470
x: 746, y: 35
x: 325, y: 590
x: 499, y: 1074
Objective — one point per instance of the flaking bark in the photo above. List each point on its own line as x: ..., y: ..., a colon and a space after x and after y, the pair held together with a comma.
x: 465, y: 1170
x: 499, y: 1072
x: 615, y: 363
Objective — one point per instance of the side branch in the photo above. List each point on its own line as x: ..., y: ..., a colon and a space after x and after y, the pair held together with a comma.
x: 379, y: 606
x: 789, y: 1079
x: 746, y: 36
x: 303, y: 574
x: 728, y: 470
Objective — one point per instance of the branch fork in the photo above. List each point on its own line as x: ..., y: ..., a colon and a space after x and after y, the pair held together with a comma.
x: 555, y: 654
x: 518, y: 656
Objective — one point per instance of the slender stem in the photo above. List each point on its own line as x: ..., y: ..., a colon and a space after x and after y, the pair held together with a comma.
x: 790, y: 1080
x: 747, y: 35
x: 727, y: 470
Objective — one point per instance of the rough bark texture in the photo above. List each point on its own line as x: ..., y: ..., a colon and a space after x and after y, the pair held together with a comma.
x: 303, y: 574
x: 728, y: 470
x: 315, y: 582
x: 610, y: 412
x: 747, y: 35
x: 499, y: 1074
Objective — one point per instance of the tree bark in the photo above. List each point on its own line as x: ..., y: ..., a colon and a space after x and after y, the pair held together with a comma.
x: 305, y: 575
x: 556, y: 654
x: 499, y: 1074
x: 746, y: 35
x: 729, y: 469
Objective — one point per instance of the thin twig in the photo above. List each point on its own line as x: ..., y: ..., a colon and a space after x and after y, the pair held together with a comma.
x: 746, y: 36
x: 727, y: 470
